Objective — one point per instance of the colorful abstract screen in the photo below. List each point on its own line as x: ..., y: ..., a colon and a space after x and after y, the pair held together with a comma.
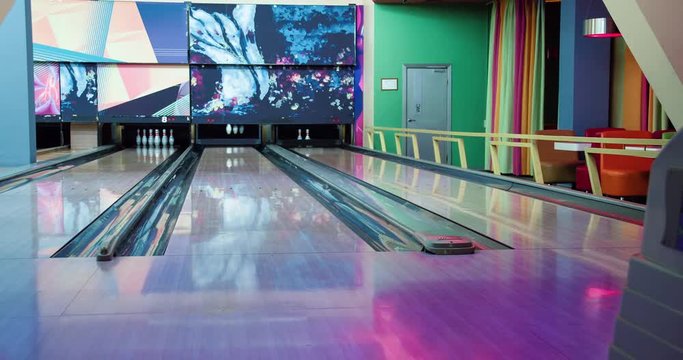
x: 143, y: 90
x: 46, y: 89
x: 78, y: 86
x: 272, y: 34
x: 109, y: 32
x: 273, y: 94
x: 359, y: 76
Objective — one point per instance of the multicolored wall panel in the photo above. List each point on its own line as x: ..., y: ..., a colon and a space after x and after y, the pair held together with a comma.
x: 46, y: 89
x: 359, y: 77
x: 516, y: 76
x: 78, y: 87
x: 246, y: 34
x: 109, y: 32
x: 634, y: 106
x: 273, y: 94
x: 143, y: 90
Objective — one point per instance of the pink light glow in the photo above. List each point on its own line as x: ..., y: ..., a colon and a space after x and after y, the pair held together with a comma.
x: 602, y: 36
x: 594, y: 292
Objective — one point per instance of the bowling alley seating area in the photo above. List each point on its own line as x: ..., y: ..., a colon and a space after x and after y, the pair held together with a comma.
x: 559, y: 156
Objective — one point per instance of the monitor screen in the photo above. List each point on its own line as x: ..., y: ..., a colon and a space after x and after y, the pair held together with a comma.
x: 272, y: 34
x: 78, y: 87
x: 109, y: 32
x: 273, y: 94
x: 46, y: 89
x: 143, y: 90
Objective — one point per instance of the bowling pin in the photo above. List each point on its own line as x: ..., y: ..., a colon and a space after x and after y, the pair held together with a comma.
x: 308, y: 137
x: 138, y: 140
x: 241, y: 129
x: 234, y: 130
x: 157, y: 139
x: 144, y: 137
x: 228, y: 129
x: 299, y: 137
x: 171, y: 139
x: 164, y: 138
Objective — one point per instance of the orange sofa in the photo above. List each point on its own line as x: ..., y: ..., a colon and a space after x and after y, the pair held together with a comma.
x: 557, y: 166
x: 583, y: 182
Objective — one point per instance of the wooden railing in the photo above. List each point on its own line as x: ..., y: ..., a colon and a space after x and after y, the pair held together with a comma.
x: 527, y: 141
x: 461, y: 149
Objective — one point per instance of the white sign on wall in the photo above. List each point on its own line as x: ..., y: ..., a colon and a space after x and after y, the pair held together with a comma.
x: 390, y: 84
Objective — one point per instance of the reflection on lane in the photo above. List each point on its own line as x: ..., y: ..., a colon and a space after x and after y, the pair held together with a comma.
x: 516, y: 220
x: 39, y: 218
x: 239, y: 203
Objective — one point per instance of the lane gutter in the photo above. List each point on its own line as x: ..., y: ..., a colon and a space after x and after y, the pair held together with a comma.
x: 435, y: 233
x: 102, y: 236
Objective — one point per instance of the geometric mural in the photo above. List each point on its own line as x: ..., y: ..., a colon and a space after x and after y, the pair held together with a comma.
x: 243, y: 34
x: 109, y: 32
x: 78, y: 83
x: 46, y: 89
x: 273, y: 94
x: 143, y: 90
x: 254, y: 63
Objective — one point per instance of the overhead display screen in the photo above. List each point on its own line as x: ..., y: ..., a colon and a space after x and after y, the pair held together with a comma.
x: 46, y: 89
x: 273, y: 94
x: 109, y: 32
x: 143, y: 90
x: 247, y: 34
x: 78, y: 87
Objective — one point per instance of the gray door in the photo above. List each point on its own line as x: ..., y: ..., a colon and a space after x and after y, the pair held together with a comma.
x: 427, y: 103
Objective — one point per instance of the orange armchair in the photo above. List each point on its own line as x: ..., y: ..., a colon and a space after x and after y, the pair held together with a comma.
x: 624, y: 175
x: 557, y: 166
x: 583, y: 182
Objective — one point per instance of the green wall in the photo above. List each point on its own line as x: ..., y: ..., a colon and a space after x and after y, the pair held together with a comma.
x: 437, y: 34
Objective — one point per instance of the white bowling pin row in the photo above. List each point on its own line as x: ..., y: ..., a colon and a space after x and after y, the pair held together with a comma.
x: 308, y: 135
x: 234, y: 129
x: 154, y: 140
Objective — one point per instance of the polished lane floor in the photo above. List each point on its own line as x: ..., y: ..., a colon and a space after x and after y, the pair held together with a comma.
x: 317, y: 295
x: 40, y: 217
x: 240, y: 203
x: 519, y: 221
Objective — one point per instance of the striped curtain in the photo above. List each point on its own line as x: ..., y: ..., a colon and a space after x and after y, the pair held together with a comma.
x: 634, y: 105
x: 516, y: 76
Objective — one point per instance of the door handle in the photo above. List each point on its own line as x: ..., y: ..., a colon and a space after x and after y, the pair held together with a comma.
x: 411, y: 120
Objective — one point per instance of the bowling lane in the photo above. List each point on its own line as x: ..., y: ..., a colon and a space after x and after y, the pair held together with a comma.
x: 40, y: 217
x: 515, y: 220
x: 240, y: 203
